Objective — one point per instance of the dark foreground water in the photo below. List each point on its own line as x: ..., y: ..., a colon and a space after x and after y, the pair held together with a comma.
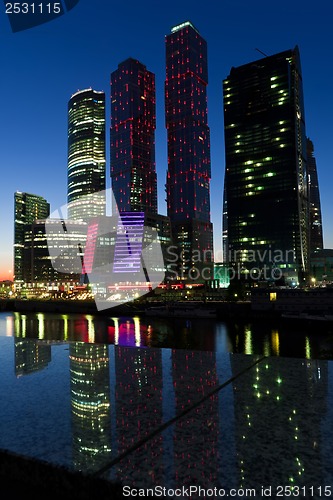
x: 259, y: 337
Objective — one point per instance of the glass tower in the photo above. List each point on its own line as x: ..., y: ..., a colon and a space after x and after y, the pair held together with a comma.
x: 27, y: 207
x: 132, y: 134
x: 266, y: 185
x: 86, y: 155
x: 189, y: 170
x: 316, y: 227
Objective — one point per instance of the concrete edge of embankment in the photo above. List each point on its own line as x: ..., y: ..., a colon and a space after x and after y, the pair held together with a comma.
x: 28, y: 475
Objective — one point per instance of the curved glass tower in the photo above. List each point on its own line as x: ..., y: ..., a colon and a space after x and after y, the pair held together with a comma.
x: 86, y: 155
x: 132, y: 134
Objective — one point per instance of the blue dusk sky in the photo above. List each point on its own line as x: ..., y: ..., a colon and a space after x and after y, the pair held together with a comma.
x: 43, y: 66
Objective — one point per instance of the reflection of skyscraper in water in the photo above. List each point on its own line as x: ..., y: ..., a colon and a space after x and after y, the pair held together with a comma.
x: 30, y: 356
x: 90, y: 396
x: 194, y: 374
x: 139, y: 406
x: 272, y: 412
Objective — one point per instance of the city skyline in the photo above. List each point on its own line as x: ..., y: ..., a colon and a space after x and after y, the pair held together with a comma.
x: 41, y: 128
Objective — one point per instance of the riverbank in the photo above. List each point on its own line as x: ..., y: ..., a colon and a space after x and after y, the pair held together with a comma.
x: 225, y: 310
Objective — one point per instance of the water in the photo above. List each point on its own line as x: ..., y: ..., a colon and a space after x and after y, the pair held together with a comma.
x: 258, y: 338
x: 169, y: 403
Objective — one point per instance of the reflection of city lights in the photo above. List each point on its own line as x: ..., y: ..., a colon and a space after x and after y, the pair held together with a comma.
x: 9, y: 326
x: 91, y: 330
x: 116, y: 330
x: 307, y: 348
x: 275, y: 342
x: 248, y: 341
x: 65, y: 328
x: 137, y: 331
x: 40, y: 318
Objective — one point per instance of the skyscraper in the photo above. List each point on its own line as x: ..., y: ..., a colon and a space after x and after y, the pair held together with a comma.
x: 316, y: 227
x: 27, y: 207
x: 189, y: 170
x: 133, y: 169
x: 86, y: 155
x: 266, y: 186
x: 132, y: 134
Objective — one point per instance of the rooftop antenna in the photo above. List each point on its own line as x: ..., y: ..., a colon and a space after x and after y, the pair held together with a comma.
x: 261, y: 52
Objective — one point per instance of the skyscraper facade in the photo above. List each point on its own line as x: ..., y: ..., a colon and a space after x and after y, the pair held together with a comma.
x: 27, y: 207
x: 266, y: 185
x: 316, y: 226
x: 132, y: 135
x: 133, y: 168
x: 45, y: 238
x: 188, y: 134
x: 86, y: 155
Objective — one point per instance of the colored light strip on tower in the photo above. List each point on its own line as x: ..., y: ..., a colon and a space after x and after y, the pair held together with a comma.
x: 89, y: 253
x: 128, y: 249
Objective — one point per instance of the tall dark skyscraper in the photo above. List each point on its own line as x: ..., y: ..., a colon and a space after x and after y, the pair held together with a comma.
x: 132, y: 134
x: 27, y: 207
x: 189, y: 170
x: 266, y: 185
x: 133, y: 169
x: 86, y: 155
x: 316, y: 227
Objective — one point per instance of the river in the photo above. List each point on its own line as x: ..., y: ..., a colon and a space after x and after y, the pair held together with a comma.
x: 264, y: 338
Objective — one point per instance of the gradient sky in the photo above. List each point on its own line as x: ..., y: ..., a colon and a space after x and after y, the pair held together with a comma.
x: 42, y: 67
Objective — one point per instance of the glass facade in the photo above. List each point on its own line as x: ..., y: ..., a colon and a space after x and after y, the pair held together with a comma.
x: 189, y: 169
x: 316, y: 226
x: 40, y: 244
x: 132, y: 135
x: 27, y: 207
x: 266, y: 183
x: 86, y: 155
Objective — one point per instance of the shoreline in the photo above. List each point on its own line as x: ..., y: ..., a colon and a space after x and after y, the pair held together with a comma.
x: 225, y: 311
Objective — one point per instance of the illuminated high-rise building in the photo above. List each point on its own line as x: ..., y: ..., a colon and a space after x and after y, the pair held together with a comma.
x: 132, y: 134
x: 45, y: 238
x: 266, y: 184
x: 316, y: 226
x: 27, y: 207
x: 86, y: 155
x: 133, y: 168
x: 189, y: 169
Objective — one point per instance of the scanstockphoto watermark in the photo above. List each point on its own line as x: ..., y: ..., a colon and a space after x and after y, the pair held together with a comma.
x: 196, y: 264
x: 263, y: 256
x: 237, y: 272
x: 189, y: 492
